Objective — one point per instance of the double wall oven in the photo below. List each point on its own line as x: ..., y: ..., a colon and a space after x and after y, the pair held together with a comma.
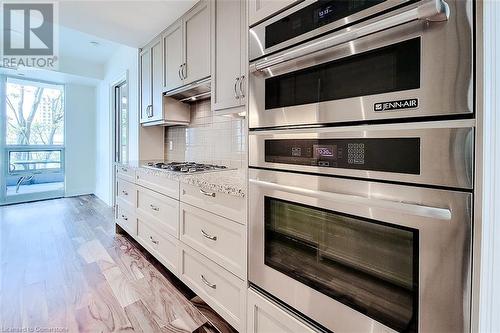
x: 361, y: 152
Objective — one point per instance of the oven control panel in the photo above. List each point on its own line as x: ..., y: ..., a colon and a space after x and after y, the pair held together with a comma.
x: 399, y: 155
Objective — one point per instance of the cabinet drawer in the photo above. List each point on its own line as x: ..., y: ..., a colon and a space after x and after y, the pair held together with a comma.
x: 161, y: 245
x: 159, y: 210
x: 223, y: 291
x: 126, y: 192
x: 125, y: 173
x: 126, y: 218
x: 159, y: 184
x: 266, y: 317
x: 220, y: 239
x: 226, y: 205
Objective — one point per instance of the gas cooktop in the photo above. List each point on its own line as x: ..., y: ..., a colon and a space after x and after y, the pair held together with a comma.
x: 186, y: 167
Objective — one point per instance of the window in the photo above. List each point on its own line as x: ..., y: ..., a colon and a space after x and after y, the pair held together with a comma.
x: 35, y: 113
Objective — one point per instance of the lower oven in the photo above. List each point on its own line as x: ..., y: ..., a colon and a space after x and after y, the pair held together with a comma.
x: 362, y: 256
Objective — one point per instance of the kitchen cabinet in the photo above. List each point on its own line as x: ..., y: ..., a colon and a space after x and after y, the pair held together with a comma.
x: 173, y: 56
x: 197, y: 42
x: 145, y: 83
x: 186, y: 48
x: 229, y: 60
x: 151, y: 82
x: 264, y: 316
x: 259, y: 10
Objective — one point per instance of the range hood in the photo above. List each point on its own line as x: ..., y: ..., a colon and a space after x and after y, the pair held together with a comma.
x: 192, y: 92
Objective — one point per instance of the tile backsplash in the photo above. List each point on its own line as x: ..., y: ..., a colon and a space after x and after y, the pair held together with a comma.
x: 209, y: 138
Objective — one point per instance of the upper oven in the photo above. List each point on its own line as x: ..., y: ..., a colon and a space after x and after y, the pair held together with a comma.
x: 395, y: 59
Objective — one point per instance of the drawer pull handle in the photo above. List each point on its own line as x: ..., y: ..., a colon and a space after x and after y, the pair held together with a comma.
x: 152, y: 240
x: 208, y: 194
x: 124, y: 218
x: 124, y: 170
x: 214, y: 238
x: 213, y: 286
x: 125, y: 192
x: 153, y: 207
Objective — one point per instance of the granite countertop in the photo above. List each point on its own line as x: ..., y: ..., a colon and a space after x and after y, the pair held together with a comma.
x: 232, y: 181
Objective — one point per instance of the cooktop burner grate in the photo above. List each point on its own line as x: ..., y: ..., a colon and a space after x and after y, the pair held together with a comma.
x: 186, y: 167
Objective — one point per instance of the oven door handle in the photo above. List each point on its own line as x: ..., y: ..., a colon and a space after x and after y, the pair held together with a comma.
x: 400, y: 207
x: 431, y: 10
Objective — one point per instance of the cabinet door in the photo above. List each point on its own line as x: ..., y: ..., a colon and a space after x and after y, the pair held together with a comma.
x: 173, y: 56
x: 197, y: 39
x: 259, y: 10
x: 157, y: 80
x: 146, y: 84
x: 227, y: 55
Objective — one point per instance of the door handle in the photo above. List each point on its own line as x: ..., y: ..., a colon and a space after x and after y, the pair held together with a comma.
x: 431, y: 10
x: 236, y: 92
x: 213, y: 286
x: 208, y: 194
x: 184, y: 71
x: 400, y: 207
x: 242, y: 95
x: 214, y: 238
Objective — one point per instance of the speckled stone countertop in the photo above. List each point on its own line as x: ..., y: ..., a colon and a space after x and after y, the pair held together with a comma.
x: 231, y: 181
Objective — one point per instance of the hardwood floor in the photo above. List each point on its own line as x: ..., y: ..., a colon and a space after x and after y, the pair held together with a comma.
x: 63, y: 268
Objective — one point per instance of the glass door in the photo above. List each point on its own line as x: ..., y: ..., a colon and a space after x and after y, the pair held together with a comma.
x: 365, y: 264
x: 32, y: 140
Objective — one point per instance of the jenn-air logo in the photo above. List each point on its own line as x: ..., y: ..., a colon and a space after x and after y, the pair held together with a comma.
x: 396, y: 105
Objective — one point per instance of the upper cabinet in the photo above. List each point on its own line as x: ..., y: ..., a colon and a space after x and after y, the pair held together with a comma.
x: 155, y: 108
x: 229, y: 60
x: 151, y: 82
x: 173, y: 54
x: 259, y: 10
x: 186, y: 48
x: 197, y: 42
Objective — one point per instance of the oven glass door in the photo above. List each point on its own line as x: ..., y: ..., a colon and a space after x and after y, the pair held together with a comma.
x: 388, y: 69
x: 369, y: 266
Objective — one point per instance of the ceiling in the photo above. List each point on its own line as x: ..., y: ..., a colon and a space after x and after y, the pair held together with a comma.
x: 128, y: 22
x: 77, y: 45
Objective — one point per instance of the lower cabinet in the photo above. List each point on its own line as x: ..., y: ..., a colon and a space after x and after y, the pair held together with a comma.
x: 160, y: 244
x: 220, y: 289
x: 125, y: 217
x: 264, y: 316
x: 201, y: 240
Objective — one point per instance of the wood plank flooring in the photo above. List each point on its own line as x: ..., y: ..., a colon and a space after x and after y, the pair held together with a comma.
x: 63, y: 268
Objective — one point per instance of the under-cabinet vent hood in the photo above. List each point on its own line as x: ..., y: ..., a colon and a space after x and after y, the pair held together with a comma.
x: 192, y: 92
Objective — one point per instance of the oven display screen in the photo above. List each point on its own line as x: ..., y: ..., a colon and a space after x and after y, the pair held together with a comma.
x: 401, y: 155
x: 325, y: 151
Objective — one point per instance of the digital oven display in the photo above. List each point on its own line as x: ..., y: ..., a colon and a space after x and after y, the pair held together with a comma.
x: 329, y: 151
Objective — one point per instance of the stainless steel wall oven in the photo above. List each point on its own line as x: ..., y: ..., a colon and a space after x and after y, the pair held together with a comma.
x: 357, y: 219
x: 397, y: 59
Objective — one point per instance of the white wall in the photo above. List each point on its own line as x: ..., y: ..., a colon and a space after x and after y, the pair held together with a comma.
x: 80, y: 113
x: 123, y: 61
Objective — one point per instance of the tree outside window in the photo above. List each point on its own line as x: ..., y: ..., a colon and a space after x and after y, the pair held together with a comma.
x: 35, y: 113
